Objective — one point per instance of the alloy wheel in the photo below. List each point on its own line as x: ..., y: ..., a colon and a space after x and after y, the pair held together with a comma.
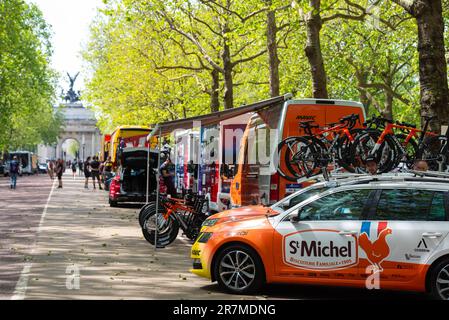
x: 237, y: 270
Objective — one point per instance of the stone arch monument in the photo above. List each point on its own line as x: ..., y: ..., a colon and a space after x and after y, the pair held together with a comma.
x: 80, y: 125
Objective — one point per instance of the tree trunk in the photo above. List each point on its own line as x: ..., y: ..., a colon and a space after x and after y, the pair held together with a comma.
x: 388, y: 108
x: 313, y: 51
x: 273, y: 57
x: 214, y: 94
x: 228, y: 81
x: 432, y: 62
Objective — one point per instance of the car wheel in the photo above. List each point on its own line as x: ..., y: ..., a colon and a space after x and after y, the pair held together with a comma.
x: 112, y: 203
x: 439, y: 280
x: 238, y: 269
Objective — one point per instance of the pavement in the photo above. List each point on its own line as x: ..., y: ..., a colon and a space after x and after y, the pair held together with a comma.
x: 69, y: 244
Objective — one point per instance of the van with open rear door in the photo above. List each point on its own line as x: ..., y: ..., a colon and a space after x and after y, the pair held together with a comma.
x: 256, y: 180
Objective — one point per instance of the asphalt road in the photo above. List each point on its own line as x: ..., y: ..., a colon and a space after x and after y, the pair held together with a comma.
x: 74, y: 246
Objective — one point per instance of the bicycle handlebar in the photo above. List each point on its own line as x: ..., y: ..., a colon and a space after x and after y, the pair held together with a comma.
x: 350, y: 120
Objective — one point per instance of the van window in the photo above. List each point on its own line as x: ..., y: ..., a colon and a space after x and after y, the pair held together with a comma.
x: 411, y: 205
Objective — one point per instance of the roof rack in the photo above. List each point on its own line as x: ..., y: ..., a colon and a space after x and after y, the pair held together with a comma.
x: 406, y: 175
x: 433, y: 174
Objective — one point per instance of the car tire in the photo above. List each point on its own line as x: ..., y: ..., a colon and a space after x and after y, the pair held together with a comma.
x: 439, y: 280
x: 239, y: 283
x: 113, y: 203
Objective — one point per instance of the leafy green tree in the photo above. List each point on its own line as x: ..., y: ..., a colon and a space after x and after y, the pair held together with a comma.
x: 27, y: 83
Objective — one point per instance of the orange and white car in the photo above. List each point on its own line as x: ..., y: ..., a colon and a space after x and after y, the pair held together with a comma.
x: 387, y: 232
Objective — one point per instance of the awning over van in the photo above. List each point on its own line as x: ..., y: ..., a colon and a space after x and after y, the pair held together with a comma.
x: 213, y: 118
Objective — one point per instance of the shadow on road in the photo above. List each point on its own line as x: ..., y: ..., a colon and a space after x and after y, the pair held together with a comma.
x: 307, y: 292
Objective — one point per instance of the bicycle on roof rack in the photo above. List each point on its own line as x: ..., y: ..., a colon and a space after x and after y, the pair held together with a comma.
x: 173, y: 214
x: 390, y: 148
x: 307, y: 155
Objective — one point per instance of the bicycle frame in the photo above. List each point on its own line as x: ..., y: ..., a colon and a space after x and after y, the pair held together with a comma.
x: 413, y: 132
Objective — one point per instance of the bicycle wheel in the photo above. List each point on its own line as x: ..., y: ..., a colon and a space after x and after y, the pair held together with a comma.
x: 287, y: 148
x: 343, y: 150
x: 364, y: 146
x: 436, y: 153
x: 411, y: 149
x: 303, y: 159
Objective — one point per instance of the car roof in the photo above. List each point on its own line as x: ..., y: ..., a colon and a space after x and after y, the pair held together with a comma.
x: 410, y: 178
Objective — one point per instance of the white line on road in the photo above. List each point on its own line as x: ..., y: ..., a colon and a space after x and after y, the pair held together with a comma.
x: 22, y: 283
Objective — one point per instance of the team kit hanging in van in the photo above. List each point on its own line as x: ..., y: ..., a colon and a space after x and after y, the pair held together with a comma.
x: 232, y: 158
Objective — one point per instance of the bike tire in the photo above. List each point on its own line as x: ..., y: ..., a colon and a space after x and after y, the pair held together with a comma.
x: 363, y: 146
x: 436, y: 153
x: 282, y: 148
x: 304, y: 162
x: 411, y: 148
x: 166, y: 235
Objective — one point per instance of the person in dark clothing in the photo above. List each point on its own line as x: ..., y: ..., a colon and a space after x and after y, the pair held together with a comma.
x: 14, y: 168
x: 95, y: 171
x: 60, y: 168
x: 86, y: 172
x: 74, y: 169
x: 80, y: 166
x: 167, y: 177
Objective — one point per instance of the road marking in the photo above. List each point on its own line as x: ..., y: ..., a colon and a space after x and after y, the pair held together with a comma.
x: 22, y: 283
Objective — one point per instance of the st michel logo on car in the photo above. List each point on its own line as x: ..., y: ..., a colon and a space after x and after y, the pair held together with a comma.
x: 320, y: 250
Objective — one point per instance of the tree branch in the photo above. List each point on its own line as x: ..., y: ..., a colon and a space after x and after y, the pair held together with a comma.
x: 249, y: 58
x: 191, y: 38
x: 406, y: 4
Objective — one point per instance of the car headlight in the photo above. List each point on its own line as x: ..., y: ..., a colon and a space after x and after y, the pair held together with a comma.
x: 204, y: 237
x: 209, y: 222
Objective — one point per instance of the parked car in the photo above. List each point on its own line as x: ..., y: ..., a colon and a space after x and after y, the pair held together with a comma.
x: 42, y: 168
x: 129, y: 185
x: 395, y: 227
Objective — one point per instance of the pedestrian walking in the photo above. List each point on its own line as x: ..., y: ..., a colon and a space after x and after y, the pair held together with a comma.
x: 95, y: 171
x: 60, y: 168
x: 80, y: 166
x: 74, y: 169
x: 14, y: 169
x: 51, y: 169
x: 86, y: 168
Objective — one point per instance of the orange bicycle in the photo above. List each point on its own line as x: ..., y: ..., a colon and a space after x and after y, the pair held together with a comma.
x: 173, y: 214
x: 307, y: 155
x: 389, y: 147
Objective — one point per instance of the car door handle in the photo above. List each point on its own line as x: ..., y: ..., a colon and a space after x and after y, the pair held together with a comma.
x: 347, y: 233
x: 432, y: 235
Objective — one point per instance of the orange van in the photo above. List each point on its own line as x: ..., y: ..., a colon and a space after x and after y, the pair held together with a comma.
x: 257, y: 180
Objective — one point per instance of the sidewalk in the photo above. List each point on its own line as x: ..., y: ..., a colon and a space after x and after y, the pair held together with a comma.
x: 81, y: 232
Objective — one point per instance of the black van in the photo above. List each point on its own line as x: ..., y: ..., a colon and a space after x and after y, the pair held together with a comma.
x: 129, y: 184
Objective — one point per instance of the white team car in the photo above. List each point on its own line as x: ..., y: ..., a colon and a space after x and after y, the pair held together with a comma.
x: 387, y: 232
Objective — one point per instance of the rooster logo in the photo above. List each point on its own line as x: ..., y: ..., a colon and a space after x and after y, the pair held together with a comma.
x: 378, y: 250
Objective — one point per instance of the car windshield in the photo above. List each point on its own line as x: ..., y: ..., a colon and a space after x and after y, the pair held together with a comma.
x: 290, y: 202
